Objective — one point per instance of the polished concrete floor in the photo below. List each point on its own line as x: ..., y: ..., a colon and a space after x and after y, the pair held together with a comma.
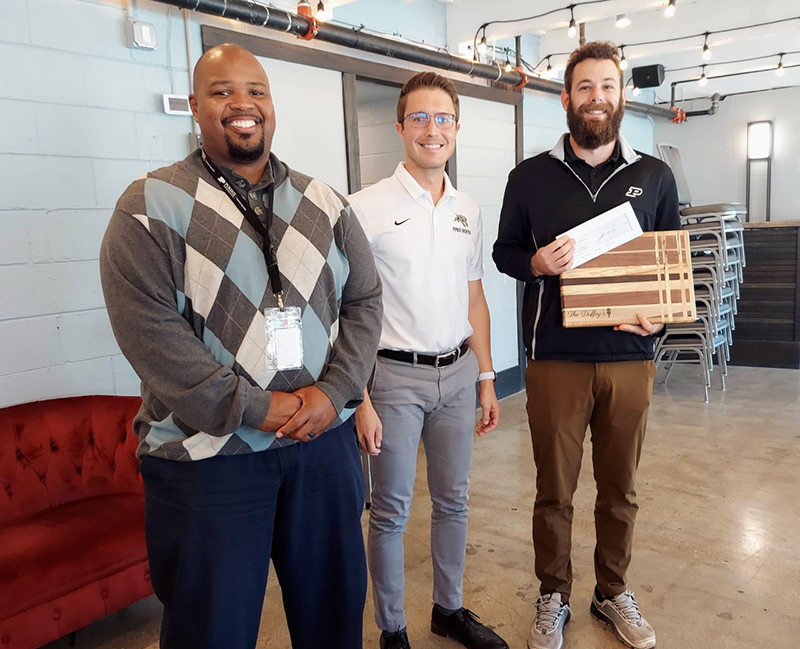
x: 717, y: 549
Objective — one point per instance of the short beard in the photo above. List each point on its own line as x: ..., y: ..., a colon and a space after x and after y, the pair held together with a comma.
x: 592, y: 134
x: 244, y: 153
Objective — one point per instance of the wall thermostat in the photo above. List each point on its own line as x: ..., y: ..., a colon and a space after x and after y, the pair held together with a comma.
x: 176, y: 105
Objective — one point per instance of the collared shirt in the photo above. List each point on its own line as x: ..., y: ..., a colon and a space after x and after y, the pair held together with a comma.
x: 426, y: 255
x: 255, y: 195
x: 592, y: 177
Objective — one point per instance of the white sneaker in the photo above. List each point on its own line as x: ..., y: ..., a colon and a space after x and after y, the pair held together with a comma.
x: 547, y: 630
x: 622, y: 614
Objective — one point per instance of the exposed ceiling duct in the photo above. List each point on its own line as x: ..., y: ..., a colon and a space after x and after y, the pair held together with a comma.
x: 252, y: 13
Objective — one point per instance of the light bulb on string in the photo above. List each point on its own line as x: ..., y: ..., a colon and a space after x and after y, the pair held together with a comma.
x: 703, y: 79
x: 322, y: 12
x: 573, y: 29
x: 623, y: 62
x: 780, y: 70
x: 482, y: 47
x: 508, y: 65
x: 669, y: 10
x: 636, y: 91
x: 706, y: 48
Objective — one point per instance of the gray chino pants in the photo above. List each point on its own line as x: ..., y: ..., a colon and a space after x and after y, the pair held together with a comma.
x: 437, y: 405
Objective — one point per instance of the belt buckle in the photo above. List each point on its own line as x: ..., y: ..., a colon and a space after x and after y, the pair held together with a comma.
x: 452, y: 353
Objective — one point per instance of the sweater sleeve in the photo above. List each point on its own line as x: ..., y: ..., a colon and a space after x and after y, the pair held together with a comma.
x: 360, y: 316
x: 515, y: 246
x: 171, y: 361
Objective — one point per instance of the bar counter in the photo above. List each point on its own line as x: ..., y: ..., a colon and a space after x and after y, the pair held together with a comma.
x: 767, y: 330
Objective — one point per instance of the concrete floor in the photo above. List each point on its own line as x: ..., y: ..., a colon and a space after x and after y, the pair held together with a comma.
x: 717, y: 549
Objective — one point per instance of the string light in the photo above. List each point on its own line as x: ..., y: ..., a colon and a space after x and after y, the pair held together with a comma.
x: 508, y: 65
x: 572, y: 28
x: 779, y: 70
x: 706, y: 48
x: 703, y: 79
x: 623, y: 62
x: 482, y: 47
x: 636, y: 91
x: 322, y: 13
x: 548, y: 73
x: 623, y: 20
x: 669, y: 10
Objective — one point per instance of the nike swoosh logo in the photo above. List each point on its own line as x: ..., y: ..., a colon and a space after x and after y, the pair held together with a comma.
x: 401, y: 222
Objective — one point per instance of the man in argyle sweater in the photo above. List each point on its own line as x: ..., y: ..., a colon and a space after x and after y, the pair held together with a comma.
x: 227, y: 484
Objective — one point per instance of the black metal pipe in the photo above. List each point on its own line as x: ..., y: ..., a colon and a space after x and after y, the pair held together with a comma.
x: 250, y: 12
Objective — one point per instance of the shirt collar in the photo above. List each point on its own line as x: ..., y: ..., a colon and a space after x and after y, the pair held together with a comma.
x: 415, y: 189
x: 570, y: 156
x: 625, y: 150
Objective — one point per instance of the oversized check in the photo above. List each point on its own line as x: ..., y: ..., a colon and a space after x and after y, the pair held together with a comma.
x: 603, y: 233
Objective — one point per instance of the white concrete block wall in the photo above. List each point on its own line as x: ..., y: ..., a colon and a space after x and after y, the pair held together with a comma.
x: 81, y: 119
x: 380, y: 148
x: 714, y: 151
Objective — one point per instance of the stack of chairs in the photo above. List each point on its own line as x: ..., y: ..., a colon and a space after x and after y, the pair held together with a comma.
x: 716, y: 237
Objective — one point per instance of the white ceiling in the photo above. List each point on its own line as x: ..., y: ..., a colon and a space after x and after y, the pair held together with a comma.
x: 648, y: 23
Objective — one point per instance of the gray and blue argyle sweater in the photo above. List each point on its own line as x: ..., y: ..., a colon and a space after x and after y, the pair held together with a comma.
x: 185, y: 283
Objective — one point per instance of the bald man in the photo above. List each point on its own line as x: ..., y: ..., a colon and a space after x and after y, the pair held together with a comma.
x: 245, y: 296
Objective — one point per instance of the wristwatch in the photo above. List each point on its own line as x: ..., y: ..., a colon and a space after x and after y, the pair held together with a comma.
x: 486, y: 376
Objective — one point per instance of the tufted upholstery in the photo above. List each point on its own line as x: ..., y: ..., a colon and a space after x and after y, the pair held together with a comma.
x: 71, y: 517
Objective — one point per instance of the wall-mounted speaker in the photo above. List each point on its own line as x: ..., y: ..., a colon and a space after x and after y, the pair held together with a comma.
x: 648, y: 76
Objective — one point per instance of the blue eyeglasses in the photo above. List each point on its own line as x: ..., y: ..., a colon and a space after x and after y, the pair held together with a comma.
x: 421, y: 120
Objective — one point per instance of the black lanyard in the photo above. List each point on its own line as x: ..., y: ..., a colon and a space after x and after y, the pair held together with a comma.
x: 252, y: 219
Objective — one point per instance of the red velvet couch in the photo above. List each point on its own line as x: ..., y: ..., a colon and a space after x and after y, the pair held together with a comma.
x: 72, y: 544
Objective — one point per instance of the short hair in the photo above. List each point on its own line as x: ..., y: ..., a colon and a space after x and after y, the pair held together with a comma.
x: 426, y: 80
x: 601, y: 50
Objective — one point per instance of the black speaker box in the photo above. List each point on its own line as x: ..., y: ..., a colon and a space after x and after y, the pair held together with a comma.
x: 648, y: 76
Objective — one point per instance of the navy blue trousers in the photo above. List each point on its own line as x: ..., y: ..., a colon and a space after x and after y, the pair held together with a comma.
x: 212, y: 526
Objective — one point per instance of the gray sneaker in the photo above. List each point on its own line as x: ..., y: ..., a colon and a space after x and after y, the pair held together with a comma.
x: 547, y: 630
x: 622, y: 614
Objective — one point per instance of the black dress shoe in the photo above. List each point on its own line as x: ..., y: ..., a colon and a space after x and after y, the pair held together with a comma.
x: 463, y: 626
x: 396, y: 640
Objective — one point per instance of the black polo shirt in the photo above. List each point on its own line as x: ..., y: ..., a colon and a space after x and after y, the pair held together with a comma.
x: 592, y: 177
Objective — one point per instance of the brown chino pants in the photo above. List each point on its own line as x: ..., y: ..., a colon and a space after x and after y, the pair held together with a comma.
x: 563, y: 399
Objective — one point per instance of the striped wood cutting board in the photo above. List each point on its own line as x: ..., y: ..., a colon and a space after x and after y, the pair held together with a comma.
x: 651, y: 275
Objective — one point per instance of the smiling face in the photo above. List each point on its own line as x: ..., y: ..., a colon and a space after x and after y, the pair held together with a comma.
x: 233, y: 106
x: 595, y: 105
x: 430, y: 147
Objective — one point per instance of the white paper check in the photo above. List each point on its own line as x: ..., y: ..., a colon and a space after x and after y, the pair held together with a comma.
x: 603, y: 233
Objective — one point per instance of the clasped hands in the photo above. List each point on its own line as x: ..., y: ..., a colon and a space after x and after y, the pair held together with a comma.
x: 302, y: 415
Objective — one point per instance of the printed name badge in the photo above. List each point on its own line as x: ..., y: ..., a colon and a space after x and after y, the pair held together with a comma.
x: 284, y: 334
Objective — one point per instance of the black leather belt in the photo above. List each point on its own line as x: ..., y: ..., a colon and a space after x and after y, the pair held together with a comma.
x: 437, y: 360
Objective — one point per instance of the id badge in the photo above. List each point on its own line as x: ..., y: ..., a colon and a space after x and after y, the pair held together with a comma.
x: 284, y: 332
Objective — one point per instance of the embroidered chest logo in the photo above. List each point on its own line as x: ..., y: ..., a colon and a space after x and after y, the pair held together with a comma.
x: 634, y: 192
x: 463, y: 224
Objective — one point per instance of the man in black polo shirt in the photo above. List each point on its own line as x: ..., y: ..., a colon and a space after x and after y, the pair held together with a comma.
x: 600, y: 377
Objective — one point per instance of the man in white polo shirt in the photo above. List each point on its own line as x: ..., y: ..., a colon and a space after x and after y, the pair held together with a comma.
x: 427, y: 240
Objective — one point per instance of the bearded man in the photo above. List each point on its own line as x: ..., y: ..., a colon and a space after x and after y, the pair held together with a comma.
x: 600, y: 377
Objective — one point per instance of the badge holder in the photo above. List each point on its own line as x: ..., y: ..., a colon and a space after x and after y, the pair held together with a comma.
x: 283, y: 328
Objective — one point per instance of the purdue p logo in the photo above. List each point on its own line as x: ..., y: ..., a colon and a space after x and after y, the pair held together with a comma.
x: 634, y: 192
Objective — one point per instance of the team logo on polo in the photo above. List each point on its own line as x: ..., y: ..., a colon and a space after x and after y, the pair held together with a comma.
x: 634, y: 192
x: 463, y: 224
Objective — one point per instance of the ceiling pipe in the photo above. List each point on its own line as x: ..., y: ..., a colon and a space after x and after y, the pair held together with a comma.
x: 252, y: 13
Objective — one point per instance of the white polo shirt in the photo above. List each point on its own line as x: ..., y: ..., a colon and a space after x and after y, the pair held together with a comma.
x: 425, y: 254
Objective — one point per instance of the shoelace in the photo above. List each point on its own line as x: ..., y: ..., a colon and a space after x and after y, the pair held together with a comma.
x: 627, y: 606
x: 548, y: 614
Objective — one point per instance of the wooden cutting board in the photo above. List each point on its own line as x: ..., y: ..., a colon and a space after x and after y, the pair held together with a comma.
x: 651, y: 275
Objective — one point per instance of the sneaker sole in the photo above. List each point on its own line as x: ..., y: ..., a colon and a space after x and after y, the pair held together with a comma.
x: 566, y: 621
x: 598, y: 615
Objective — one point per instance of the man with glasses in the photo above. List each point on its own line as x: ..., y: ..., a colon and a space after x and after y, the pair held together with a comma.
x: 427, y: 240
